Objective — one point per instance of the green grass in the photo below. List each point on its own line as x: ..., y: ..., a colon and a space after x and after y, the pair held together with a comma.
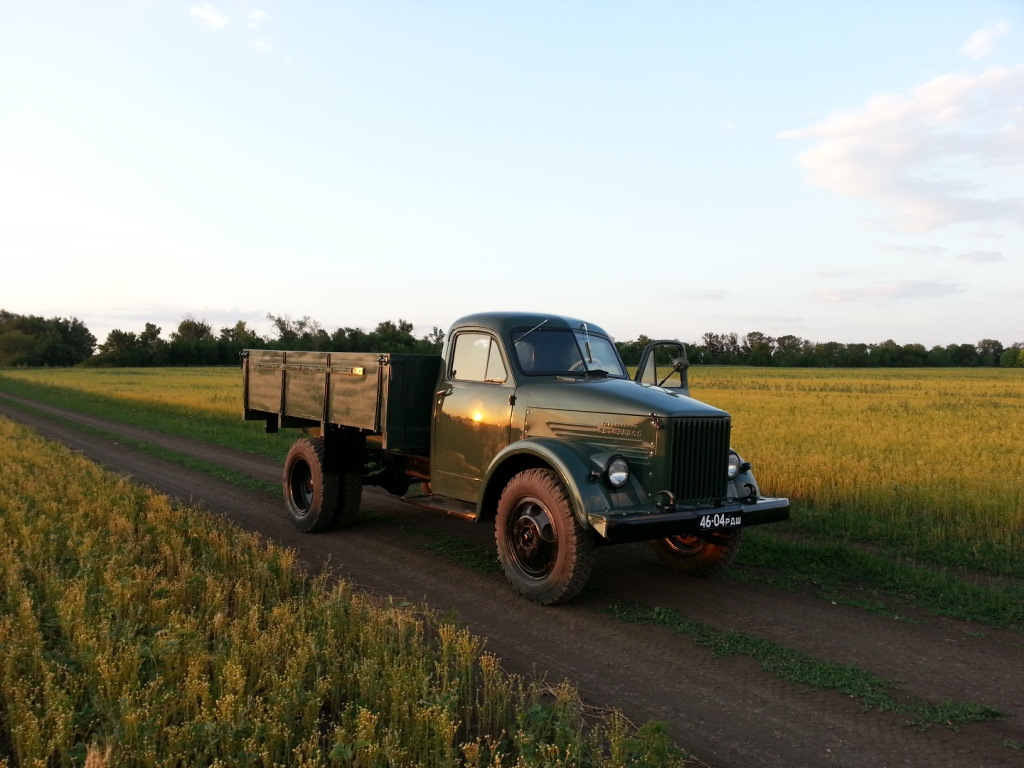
x: 468, y: 555
x: 790, y: 665
x: 879, y: 582
x: 210, y: 427
x: 189, y: 462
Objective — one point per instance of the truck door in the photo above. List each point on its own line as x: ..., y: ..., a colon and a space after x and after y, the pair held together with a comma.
x: 472, y: 414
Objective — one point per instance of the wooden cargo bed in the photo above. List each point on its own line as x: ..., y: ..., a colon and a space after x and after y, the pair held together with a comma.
x: 386, y: 394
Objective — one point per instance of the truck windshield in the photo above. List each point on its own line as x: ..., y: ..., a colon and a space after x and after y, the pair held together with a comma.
x: 565, y: 352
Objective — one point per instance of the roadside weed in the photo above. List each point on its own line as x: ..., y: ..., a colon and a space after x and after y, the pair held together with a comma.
x: 135, y: 632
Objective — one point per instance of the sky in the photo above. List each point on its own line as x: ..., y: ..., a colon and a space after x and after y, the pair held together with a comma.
x: 836, y: 171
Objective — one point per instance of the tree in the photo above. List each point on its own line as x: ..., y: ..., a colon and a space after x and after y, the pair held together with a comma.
x: 915, y: 355
x: 434, y: 340
x: 190, y: 329
x: 391, y: 337
x: 829, y: 355
x: 240, y: 334
x: 789, y: 350
x: 758, y: 348
x: 855, y: 356
x: 1011, y: 357
x: 630, y: 351
x: 290, y: 331
x: 193, y: 343
x: 963, y: 355
x: 36, y: 341
x: 989, y: 351
x: 888, y: 354
x: 350, y: 340
x: 121, y: 349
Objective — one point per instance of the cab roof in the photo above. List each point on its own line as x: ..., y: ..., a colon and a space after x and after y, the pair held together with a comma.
x: 505, y: 322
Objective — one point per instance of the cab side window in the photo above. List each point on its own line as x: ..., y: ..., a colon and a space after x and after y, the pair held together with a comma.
x: 476, y: 357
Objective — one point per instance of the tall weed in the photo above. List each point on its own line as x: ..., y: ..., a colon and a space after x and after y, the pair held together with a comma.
x: 139, y: 633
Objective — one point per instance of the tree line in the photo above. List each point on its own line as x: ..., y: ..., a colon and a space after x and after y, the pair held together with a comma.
x: 790, y: 351
x: 28, y: 340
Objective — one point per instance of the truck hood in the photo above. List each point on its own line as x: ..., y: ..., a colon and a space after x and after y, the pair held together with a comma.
x: 611, y: 396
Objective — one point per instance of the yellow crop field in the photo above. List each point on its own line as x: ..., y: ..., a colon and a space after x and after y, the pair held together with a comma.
x: 926, y: 457
x: 927, y: 460
x: 209, y: 390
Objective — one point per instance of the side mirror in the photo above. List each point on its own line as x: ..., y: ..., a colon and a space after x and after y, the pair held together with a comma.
x: 664, y: 364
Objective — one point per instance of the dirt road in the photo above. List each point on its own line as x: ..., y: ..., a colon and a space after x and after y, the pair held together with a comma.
x: 727, y: 711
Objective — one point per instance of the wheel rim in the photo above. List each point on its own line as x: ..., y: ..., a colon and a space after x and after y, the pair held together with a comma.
x: 531, y: 536
x: 685, y: 545
x: 301, y: 483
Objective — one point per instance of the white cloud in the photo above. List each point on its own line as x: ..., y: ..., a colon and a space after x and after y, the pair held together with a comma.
x: 983, y: 42
x: 952, y: 150
x: 709, y: 295
x: 987, y: 234
x: 982, y: 257
x: 256, y: 17
x: 208, y: 15
x: 918, y: 250
x: 894, y: 290
x: 260, y: 46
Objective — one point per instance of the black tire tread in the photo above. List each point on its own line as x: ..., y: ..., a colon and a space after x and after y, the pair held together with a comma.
x: 578, y: 556
x: 323, y: 509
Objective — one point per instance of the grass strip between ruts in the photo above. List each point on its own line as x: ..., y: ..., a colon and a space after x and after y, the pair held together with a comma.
x: 197, y: 465
x: 796, y: 667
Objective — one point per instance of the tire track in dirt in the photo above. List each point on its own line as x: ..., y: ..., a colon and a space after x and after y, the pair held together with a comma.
x: 727, y: 711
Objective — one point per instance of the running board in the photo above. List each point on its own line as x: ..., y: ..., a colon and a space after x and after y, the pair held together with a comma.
x: 443, y: 504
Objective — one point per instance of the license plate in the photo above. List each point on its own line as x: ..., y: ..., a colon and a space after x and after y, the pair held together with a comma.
x: 708, y: 522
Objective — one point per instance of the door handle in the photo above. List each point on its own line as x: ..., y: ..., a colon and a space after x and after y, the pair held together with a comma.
x: 444, y: 392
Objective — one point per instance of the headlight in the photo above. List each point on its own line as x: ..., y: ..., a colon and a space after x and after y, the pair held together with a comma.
x: 734, y: 464
x: 617, y: 471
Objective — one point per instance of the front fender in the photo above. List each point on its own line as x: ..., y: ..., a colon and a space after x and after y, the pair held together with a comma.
x: 579, y: 466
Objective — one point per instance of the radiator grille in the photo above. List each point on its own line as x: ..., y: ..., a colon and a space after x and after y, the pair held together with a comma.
x: 700, y: 459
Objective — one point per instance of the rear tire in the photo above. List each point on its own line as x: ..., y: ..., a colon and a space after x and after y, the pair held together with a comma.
x: 545, y: 553
x: 350, y: 497
x: 311, y: 494
x: 696, y: 556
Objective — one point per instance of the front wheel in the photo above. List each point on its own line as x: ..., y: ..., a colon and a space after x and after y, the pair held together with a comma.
x: 545, y: 553
x: 310, y: 492
x: 696, y: 556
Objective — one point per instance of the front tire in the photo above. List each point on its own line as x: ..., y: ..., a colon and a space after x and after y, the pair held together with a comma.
x: 311, y: 493
x: 545, y: 553
x: 696, y: 556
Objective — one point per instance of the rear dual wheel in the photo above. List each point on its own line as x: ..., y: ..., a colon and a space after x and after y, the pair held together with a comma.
x: 317, y: 498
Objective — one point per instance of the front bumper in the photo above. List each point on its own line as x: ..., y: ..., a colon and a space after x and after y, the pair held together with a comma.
x: 621, y: 528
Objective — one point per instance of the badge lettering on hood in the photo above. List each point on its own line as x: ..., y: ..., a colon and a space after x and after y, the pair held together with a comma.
x: 620, y: 430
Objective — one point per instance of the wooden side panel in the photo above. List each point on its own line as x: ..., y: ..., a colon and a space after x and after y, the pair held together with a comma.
x: 376, y: 392
x: 263, y: 381
x: 305, y: 379
x: 352, y: 396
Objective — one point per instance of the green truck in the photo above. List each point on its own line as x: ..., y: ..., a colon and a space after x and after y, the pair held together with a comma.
x: 531, y: 421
